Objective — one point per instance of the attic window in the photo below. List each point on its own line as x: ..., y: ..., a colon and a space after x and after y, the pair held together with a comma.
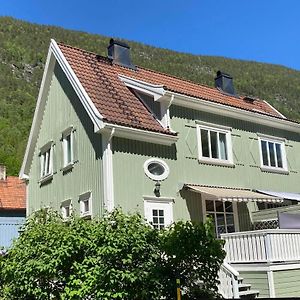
x: 153, y: 106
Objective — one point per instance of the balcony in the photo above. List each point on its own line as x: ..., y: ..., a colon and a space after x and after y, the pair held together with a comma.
x: 262, y: 246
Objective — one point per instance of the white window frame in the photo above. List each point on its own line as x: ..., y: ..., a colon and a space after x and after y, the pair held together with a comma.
x: 64, y: 205
x: 68, y: 133
x: 219, y: 129
x: 160, y: 203
x: 234, y: 208
x: 274, y: 140
x: 87, y: 196
x: 156, y: 177
x: 46, y: 158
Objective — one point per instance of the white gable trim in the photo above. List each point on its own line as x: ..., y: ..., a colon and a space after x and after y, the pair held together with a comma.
x: 55, y: 55
x: 233, y: 112
x: 157, y: 91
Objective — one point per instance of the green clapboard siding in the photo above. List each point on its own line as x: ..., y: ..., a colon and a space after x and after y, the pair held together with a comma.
x: 63, y: 109
x: 287, y: 283
x: 258, y: 281
x: 131, y: 183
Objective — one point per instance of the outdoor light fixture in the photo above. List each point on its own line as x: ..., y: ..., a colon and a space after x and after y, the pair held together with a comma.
x: 157, y: 189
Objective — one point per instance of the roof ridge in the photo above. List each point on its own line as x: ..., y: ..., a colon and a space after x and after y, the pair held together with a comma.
x: 147, y: 69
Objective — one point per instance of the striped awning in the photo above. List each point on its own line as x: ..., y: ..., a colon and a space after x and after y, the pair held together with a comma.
x: 230, y: 194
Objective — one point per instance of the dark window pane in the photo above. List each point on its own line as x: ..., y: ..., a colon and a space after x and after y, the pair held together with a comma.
x: 272, y: 154
x: 264, y: 153
x: 161, y: 212
x: 209, y: 205
x: 214, y: 144
x: 69, y: 149
x: 204, y: 143
x: 221, y: 229
x: 220, y: 219
x: 156, y: 168
x: 230, y: 229
x: 219, y: 206
x: 229, y: 219
x: 155, y: 220
x: 154, y: 212
x: 279, y: 156
x: 228, y: 207
x: 222, y: 146
x: 161, y: 220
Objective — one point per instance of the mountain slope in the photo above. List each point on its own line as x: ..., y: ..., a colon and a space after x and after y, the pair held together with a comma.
x: 23, y: 51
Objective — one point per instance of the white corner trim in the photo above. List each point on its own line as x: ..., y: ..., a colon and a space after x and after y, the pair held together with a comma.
x: 271, y: 284
x: 157, y: 91
x: 55, y: 55
x: 233, y: 112
x: 141, y: 135
x: 108, y: 178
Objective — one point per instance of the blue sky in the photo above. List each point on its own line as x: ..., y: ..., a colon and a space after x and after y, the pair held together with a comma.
x: 259, y: 30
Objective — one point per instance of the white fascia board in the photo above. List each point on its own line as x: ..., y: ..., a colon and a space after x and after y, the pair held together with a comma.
x: 266, y: 267
x: 55, y: 55
x: 283, y: 116
x: 141, y: 135
x: 232, y: 112
x: 88, y: 104
x: 157, y: 91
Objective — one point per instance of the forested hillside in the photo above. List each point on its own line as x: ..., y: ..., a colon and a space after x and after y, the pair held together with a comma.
x: 23, y: 50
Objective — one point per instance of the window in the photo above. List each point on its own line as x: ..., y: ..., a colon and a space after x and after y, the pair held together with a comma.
x: 159, y: 212
x: 66, y: 209
x: 156, y: 169
x: 68, y: 156
x: 85, y: 204
x: 46, y: 161
x: 272, y: 153
x: 214, y: 144
x: 222, y: 214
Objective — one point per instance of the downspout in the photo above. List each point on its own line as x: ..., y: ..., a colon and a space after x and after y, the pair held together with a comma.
x: 107, y: 162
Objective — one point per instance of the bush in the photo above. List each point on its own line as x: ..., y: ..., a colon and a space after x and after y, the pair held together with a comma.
x: 117, y: 257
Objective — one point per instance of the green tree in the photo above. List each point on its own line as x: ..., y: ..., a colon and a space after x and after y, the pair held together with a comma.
x: 117, y: 257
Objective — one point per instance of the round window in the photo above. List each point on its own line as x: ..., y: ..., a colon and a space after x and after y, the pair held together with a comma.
x: 156, y: 169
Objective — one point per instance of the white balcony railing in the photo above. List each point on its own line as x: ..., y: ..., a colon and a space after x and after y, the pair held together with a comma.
x: 262, y: 246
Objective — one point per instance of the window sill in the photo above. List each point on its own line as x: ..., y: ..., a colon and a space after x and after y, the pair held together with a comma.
x: 46, y: 178
x: 274, y: 170
x: 86, y: 215
x: 217, y: 162
x: 68, y: 167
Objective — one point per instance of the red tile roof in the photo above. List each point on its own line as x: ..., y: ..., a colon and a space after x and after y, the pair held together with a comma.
x: 118, y: 105
x: 12, y: 194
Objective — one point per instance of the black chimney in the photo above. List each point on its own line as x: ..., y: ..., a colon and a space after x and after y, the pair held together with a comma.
x: 224, y: 82
x: 119, y: 52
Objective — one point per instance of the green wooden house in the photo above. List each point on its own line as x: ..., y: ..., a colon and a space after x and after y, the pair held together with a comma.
x: 107, y: 133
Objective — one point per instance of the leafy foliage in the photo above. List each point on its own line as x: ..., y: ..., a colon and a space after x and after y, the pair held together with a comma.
x: 23, y: 50
x: 117, y: 257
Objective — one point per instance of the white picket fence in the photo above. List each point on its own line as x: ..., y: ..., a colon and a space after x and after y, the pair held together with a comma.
x: 262, y: 246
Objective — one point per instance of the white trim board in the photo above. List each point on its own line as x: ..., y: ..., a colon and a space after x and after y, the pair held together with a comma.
x: 233, y: 112
x: 266, y: 267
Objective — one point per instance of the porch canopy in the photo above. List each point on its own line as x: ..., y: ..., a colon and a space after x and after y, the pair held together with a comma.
x: 283, y: 195
x: 231, y: 194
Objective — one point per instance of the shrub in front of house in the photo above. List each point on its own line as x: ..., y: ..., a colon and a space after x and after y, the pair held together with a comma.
x: 117, y: 257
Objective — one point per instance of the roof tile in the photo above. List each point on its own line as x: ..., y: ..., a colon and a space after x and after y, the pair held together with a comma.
x: 117, y: 104
x: 12, y: 193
